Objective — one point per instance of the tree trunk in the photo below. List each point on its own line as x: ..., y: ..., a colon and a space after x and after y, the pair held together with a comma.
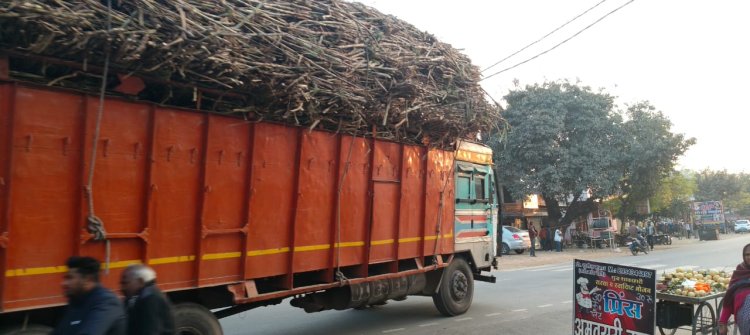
x: 578, y: 208
x: 553, y: 210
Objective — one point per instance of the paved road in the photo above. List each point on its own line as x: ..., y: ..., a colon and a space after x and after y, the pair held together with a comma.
x: 525, y: 301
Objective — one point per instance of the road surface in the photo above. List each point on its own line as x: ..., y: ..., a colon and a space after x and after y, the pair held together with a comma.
x: 535, y: 300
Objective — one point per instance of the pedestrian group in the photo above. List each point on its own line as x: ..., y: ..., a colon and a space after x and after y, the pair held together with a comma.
x: 96, y: 310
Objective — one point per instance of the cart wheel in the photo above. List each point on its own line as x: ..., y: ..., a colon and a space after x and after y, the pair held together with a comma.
x: 667, y: 331
x: 704, y: 319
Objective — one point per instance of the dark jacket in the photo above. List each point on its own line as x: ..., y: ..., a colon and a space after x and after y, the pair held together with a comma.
x: 97, y: 313
x: 150, y: 313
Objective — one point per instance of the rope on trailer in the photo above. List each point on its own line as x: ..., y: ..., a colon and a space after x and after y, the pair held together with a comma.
x: 441, y: 203
x: 94, y: 224
x: 340, y: 275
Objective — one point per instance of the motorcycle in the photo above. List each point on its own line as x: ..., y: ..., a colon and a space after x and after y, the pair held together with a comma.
x: 638, y: 244
x: 664, y: 239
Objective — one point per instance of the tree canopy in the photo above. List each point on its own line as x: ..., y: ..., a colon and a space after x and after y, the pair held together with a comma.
x: 650, y: 155
x: 733, y: 189
x: 571, y: 145
x: 673, y: 196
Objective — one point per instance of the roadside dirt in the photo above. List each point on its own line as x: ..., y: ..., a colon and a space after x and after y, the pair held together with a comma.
x: 514, y: 261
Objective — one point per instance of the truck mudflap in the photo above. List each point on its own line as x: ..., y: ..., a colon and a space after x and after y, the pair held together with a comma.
x: 485, y: 278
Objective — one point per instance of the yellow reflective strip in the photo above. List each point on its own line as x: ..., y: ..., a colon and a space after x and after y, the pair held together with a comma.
x: 349, y: 244
x: 36, y: 271
x: 222, y: 255
x: 434, y: 237
x: 168, y: 260
x: 312, y: 247
x: 381, y: 242
x: 409, y: 239
x: 121, y: 264
x: 252, y: 253
x: 62, y: 268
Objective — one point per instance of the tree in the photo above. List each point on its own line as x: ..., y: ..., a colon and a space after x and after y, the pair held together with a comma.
x: 717, y: 185
x: 570, y: 145
x: 564, y: 143
x: 732, y: 189
x: 651, y: 151
x: 672, y: 199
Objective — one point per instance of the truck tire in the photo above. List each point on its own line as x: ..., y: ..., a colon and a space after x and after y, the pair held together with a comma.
x: 456, y: 289
x: 194, y: 319
x: 29, y: 330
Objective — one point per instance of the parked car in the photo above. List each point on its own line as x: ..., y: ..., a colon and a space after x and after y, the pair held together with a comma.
x: 742, y: 226
x: 514, y: 239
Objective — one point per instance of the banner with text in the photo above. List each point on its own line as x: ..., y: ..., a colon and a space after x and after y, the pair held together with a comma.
x: 612, y: 299
x: 708, y: 212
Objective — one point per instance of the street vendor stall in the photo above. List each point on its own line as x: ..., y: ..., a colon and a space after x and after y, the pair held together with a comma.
x: 699, y: 315
x: 691, y: 300
x: 597, y: 234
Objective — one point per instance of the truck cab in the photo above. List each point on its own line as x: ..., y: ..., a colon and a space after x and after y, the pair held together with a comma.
x: 476, y: 213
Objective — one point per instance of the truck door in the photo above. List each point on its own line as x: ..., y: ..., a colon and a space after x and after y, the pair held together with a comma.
x: 493, y: 211
x: 473, y: 203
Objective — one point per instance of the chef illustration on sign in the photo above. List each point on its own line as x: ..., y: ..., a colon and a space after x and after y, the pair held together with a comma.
x: 583, y: 298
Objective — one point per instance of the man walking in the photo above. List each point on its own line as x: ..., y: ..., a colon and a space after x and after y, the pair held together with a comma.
x: 92, y: 309
x: 532, y: 237
x: 558, y: 240
x: 543, y: 238
x: 632, y: 230
x: 650, y: 232
x: 149, y: 311
x: 688, y: 229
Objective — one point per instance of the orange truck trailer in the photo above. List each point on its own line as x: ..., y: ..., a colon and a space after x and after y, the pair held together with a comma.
x: 231, y: 214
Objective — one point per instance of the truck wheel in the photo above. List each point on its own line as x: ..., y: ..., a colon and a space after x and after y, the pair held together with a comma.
x: 194, y: 319
x: 30, y: 330
x: 456, y: 289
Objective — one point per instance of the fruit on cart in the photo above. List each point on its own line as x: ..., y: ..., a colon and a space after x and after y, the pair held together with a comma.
x: 694, y: 283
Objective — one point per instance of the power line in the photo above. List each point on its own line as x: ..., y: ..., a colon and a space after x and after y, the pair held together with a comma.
x: 545, y: 36
x: 558, y: 44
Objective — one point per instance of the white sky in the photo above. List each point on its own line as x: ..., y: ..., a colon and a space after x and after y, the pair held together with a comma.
x: 690, y: 58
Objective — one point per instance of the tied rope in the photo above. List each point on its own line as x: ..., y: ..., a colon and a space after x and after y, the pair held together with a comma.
x: 441, y: 205
x: 340, y: 275
x: 94, y: 224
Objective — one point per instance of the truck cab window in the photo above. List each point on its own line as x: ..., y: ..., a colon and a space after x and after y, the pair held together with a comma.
x: 479, y: 190
x: 463, y: 186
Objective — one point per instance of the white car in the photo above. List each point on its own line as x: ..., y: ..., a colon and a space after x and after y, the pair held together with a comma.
x: 742, y: 226
x: 514, y: 239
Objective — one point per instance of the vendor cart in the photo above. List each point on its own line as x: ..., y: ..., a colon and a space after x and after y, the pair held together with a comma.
x: 699, y: 315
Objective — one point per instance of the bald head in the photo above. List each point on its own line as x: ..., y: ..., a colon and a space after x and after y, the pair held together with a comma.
x: 135, y: 278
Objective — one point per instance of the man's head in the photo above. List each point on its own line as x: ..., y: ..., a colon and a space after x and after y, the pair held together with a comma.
x: 82, y: 276
x: 135, y: 278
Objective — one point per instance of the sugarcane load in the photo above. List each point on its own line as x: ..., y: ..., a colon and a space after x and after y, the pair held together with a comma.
x: 330, y: 65
x: 206, y: 158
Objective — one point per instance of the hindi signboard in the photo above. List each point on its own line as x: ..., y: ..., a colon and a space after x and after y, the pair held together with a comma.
x: 613, y: 299
x: 708, y: 212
